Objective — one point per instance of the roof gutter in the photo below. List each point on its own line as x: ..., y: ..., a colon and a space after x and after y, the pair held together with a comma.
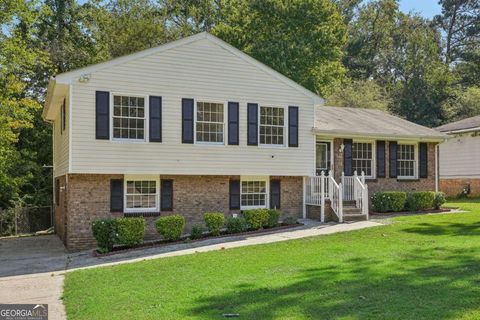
x: 462, y: 130
x: 347, y: 134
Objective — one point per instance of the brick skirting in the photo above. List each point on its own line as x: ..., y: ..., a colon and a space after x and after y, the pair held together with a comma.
x: 86, y: 197
x: 454, y: 187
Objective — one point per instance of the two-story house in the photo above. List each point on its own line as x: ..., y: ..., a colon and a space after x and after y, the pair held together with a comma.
x: 196, y: 125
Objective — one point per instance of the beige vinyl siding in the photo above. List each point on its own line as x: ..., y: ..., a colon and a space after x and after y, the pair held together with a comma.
x: 60, y: 143
x: 201, y: 70
x: 460, y: 157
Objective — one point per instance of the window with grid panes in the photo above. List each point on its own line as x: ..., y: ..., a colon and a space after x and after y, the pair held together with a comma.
x: 406, y: 163
x: 128, y: 117
x: 272, y: 125
x: 362, y: 158
x: 141, y: 194
x: 253, y: 193
x: 210, y: 122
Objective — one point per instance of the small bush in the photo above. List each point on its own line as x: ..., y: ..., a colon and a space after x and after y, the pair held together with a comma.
x: 197, y: 232
x: 170, y: 227
x: 273, y: 216
x: 236, y: 225
x: 421, y: 200
x: 256, y: 218
x: 289, y: 221
x: 389, y: 201
x: 105, y: 232
x: 214, y: 222
x: 130, y: 230
x: 439, y: 200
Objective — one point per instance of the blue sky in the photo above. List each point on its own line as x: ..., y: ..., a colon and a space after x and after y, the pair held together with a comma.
x: 427, y: 8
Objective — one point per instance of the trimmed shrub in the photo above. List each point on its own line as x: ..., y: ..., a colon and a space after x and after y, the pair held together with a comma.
x: 170, y: 227
x: 389, y: 201
x: 130, y: 230
x: 273, y: 216
x: 421, y: 200
x: 289, y: 221
x: 236, y: 225
x: 197, y: 232
x: 214, y: 222
x: 105, y: 232
x: 439, y: 200
x: 256, y: 218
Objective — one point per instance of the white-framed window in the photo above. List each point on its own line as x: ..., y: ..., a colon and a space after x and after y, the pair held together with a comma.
x: 272, y: 126
x: 253, y: 194
x: 363, y: 158
x: 210, y: 122
x: 406, y: 161
x: 142, y: 193
x: 129, y: 113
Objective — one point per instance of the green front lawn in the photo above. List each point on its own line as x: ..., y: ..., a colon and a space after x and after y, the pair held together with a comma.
x: 418, y: 267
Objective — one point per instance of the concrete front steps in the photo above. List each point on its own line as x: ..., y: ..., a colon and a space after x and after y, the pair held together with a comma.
x: 352, y: 213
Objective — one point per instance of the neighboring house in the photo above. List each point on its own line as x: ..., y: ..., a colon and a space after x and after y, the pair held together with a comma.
x: 460, y: 158
x: 196, y: 125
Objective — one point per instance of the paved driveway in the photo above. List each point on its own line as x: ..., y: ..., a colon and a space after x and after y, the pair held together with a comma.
x: 28, y: 272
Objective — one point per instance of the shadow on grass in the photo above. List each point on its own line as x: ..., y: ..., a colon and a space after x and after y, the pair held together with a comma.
x: 436, y: 229
x: 414, y: 286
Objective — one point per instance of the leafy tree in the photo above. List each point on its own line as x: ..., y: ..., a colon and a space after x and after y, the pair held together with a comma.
x: 460, y: 21
x: 360, y: 94
x: 465, y: 104
x: 302, y: 39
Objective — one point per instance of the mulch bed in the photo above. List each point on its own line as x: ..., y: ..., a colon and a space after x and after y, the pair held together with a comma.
x: 163, y: 243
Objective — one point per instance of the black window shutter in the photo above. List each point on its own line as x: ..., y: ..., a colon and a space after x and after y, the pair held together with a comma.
x: 233, y: 123
x: 252, y: 129
x: 116, y: 195
x: 293, y: 126
x: 347, y: 157
x: 392, y: 151
x: 234, y: 194
x: 102, y: 115
x: 155, y: 114
x: 275, y: 194
x: 64, y: 116
x: 423, y: 160
x: 380, y: 159
x: 57, y: 191
x: 187, y: 120
x: 166, y: 194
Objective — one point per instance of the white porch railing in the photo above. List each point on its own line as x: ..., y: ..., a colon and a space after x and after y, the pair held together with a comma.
x: 360, y: 190
x: 320, y: 188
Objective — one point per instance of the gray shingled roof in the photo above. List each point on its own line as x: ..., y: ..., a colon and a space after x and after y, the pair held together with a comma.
x: 342, y: 121
x: 465, y: 124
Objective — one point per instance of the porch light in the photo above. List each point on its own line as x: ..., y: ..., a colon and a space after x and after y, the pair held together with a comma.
x: 342, y: 146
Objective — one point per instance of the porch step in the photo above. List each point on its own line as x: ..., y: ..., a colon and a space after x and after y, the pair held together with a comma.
x: 351, y: 210
x: 354, y: 217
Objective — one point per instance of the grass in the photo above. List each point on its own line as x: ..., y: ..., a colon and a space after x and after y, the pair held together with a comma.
x: 417, y: 267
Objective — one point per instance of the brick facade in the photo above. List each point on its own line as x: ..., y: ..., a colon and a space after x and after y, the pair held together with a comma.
x: 86, y: 197
x: 387, y: 183
x: 454, y: 187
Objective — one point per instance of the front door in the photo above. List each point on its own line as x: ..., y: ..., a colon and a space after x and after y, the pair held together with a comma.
x: 323, y: 157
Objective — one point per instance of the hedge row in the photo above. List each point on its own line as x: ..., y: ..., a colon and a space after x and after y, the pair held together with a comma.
x: 396, y: 201
x: 130, y: 231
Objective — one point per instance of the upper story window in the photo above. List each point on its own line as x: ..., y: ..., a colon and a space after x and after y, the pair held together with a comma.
x: 406, y: 161
x: 128, y: 117
x: 141, y: 195
x: 272, y: 126
x: 362, y: 158
x: 210, y: 122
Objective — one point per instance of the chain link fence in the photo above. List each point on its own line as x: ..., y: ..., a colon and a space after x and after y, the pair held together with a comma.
x: 24, y: 220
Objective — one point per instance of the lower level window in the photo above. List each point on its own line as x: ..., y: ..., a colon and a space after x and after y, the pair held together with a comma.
x: 141, y: 195
x: 406, y: 163
x: 254, y: 194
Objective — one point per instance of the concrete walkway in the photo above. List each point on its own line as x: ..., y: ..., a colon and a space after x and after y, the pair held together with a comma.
x: 32, y: 269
